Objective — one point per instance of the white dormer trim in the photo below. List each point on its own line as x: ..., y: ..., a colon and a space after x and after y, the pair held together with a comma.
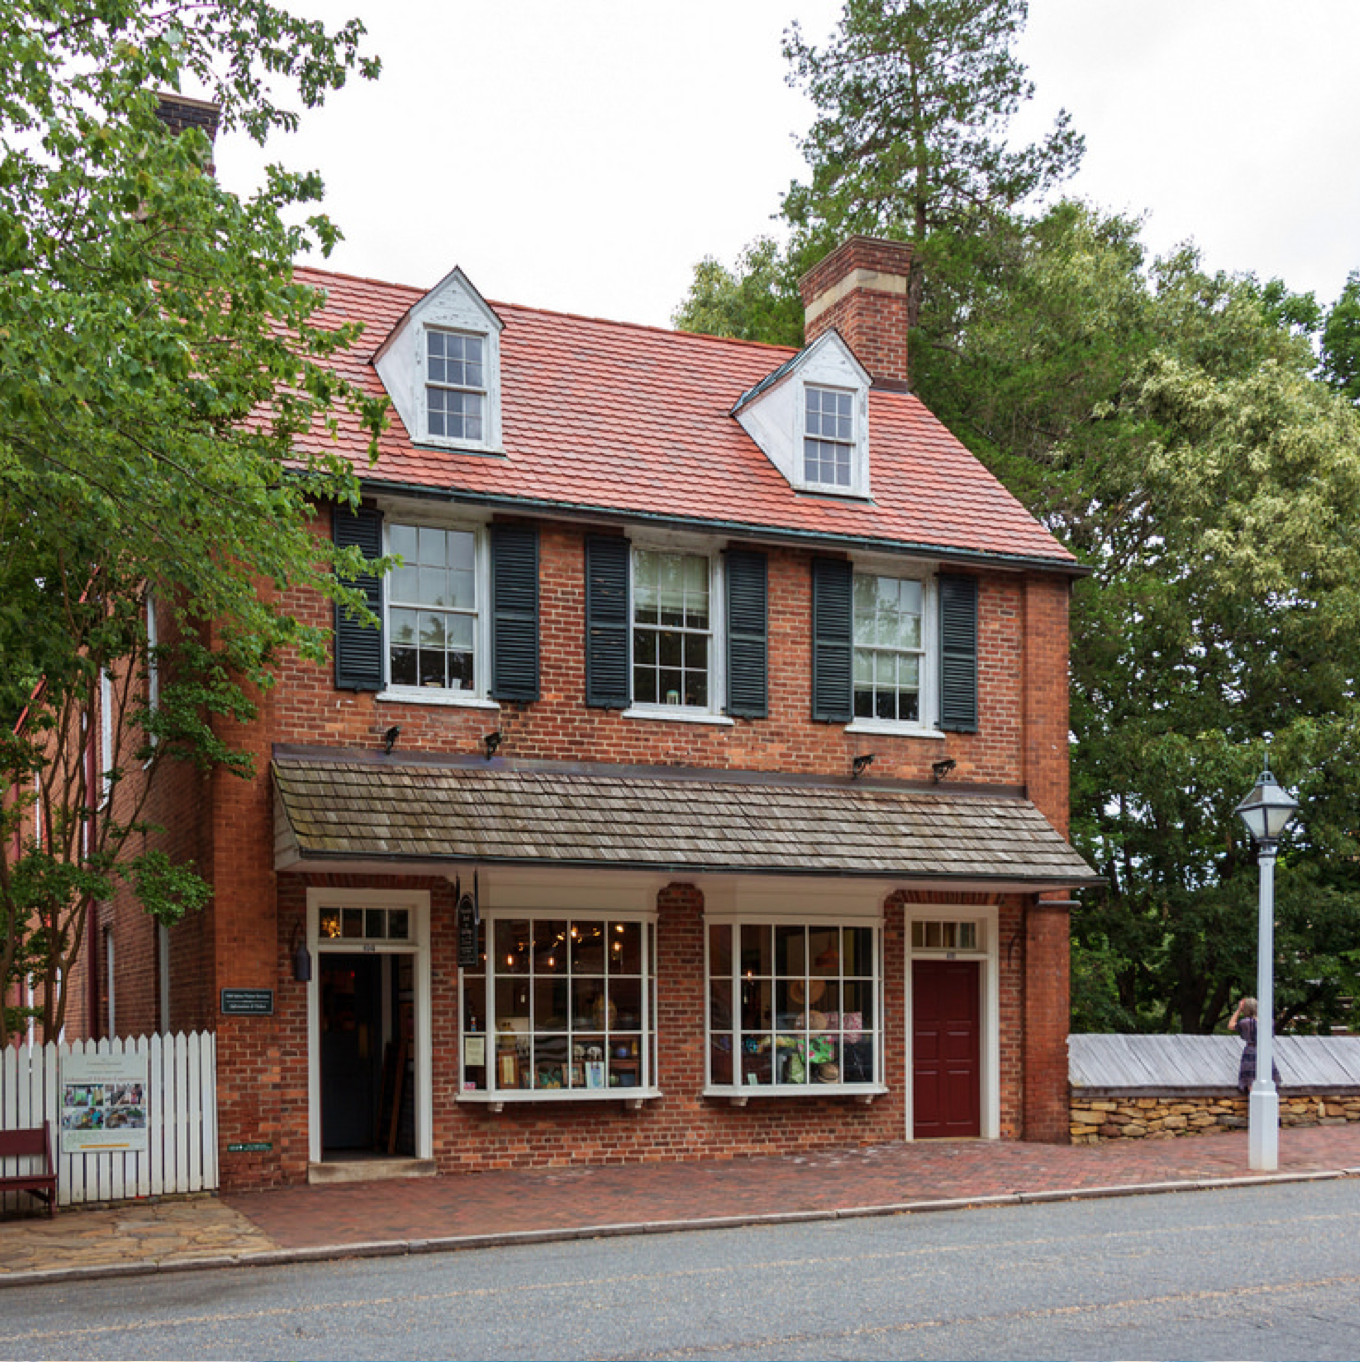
x: 452, y: 306
x: 774, y: 414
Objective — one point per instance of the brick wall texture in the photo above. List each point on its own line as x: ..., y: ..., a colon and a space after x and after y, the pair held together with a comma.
x: 246, y: 938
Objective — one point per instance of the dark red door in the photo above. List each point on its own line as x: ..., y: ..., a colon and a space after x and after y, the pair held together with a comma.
x: 946, y: 1049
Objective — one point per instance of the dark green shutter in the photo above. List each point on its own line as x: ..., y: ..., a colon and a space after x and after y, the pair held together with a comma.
x: 514, y: 612
x: 832, y: 642
x: 359, y: 649
x: 607, y: 559
x: 958, y: 654
x: 747, y: 645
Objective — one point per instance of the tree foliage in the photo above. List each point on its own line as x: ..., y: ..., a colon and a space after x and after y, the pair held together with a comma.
x: 1175, y: 428
x: 1168, y: 425
x: 914, y: 99
x: 1341, y: 341
x: 157, y: 363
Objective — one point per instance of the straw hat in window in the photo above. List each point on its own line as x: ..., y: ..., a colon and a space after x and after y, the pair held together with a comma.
x: 807, y: 992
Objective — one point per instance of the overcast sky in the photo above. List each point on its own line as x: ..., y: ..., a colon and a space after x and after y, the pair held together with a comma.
x: 583, y: 155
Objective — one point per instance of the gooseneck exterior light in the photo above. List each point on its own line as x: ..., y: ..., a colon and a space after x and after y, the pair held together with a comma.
x: 1266, y: 811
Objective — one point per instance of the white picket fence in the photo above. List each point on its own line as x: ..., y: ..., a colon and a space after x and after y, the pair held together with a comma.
x: 181, y: 1153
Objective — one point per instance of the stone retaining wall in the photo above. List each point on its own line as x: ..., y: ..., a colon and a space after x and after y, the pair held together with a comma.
x: 1164, y: 1116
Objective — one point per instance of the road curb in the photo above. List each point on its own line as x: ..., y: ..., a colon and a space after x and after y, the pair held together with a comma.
x: 395, y: 1248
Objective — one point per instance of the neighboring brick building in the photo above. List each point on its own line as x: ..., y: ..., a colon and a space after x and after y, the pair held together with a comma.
x: 735, y: 690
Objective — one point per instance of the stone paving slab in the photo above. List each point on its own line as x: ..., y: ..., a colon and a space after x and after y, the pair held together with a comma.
x: 470, y: 1210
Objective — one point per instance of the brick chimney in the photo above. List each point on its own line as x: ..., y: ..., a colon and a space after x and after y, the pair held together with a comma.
x: 860, y: 289
x: 178, y: 112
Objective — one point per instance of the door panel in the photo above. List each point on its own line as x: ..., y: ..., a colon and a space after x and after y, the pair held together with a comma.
x: 946, y: 1049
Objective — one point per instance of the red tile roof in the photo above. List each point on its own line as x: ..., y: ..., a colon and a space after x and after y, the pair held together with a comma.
x: 633, y: 421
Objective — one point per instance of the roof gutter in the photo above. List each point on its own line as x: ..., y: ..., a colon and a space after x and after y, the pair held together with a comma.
x: 768, y: 533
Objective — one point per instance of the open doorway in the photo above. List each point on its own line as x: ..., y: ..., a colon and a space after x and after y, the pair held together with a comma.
x: 367, y: 1053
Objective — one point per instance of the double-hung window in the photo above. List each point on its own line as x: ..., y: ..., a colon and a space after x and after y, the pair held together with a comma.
x: 672, y: 629
x: 828, y: 436
x: 432, y: 608
x: 457, y: 615
x: 794, y: 1006
x: 455, y: 385
x: 894, y: 650
x: 560, y: 1004
x: 672, y: 632
x: 889, y: 647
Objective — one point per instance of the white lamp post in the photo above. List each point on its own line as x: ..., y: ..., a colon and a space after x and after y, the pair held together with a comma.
x: 1266, y: 811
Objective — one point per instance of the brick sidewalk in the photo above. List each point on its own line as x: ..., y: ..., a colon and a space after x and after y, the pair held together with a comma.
x: 573, y: 1198
x: 482, y: 1208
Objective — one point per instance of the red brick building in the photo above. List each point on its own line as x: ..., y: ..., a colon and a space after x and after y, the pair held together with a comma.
x: 704, y: 791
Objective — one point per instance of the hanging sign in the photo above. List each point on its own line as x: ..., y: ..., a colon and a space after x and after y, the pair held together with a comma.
x: 466, y: 922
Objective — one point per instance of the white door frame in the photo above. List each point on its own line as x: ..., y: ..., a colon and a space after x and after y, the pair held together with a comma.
x: 418, y: 902
x: 987, y: 956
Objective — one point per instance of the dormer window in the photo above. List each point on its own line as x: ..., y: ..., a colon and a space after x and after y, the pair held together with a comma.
x: 441, y: 366
x: 455, y: 385
x: 810, y: 418
x: 828, y: 438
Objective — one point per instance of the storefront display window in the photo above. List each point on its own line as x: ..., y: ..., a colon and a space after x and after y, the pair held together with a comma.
x: 792, y: 1005
x: 559, y: 1005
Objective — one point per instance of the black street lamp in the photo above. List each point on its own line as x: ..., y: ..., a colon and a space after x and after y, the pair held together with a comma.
x: 1266, y: 811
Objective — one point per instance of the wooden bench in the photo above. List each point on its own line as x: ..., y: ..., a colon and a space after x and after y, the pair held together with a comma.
x: 34, y: 1144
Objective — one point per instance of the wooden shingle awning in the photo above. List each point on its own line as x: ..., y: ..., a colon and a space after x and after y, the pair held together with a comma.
x: 345, y: 810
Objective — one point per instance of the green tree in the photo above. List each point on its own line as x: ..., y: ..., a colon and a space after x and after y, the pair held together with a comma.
x: 1166, y: 423
x: 158, y: 363
x: 757, y: 299
x: 913, y: 99
x: 1341, y: 341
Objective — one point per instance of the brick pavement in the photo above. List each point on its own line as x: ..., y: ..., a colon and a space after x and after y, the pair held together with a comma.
x: 482, y: 1208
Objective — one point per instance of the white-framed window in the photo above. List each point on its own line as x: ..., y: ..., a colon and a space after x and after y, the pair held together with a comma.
x: 673, y: 636
x: 435, y: 623
x: 828, y: 437
x: 562, y: 1004
x: 455, y: 386
x: 795, y: 1005
x: 891, y: 676
x: 107, y: 759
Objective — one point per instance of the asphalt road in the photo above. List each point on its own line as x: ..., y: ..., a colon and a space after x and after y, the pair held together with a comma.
x: 1262, y: 1272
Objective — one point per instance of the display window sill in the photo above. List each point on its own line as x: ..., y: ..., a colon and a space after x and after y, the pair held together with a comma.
x: 739, y: 1096
x: 498, y: 1101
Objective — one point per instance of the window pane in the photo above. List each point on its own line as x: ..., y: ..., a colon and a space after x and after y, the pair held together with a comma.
x: 824, y: 947
x: 626, y: 996
x: 625, y: 948
x: 790, y: 950
x: 328, y: 923
x: 587, y: 947
x: 550, y: 1004
x: 857, y: 950
x: 512, y: 946
x: 550, y: 946
x: 720, y: 950
x: 756, y: 949
x: 672, y: 590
